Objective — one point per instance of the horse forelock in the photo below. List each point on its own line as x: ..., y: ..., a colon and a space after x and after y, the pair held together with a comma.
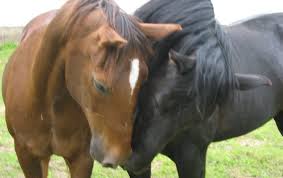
x: 214, y: 79
x: 68, y: 17
x: 125, y: 25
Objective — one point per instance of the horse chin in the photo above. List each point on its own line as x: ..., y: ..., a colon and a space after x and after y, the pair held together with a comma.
x: 138, y: 171
x: 109, y: 158
x: 136, y: 165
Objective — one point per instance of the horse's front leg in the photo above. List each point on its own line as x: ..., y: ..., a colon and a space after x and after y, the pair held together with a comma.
x: 189, y: 159
x: 80, y: 166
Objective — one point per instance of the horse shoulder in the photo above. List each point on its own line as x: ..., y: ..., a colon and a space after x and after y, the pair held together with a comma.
x: 25, y: 52
x: 18, y: 92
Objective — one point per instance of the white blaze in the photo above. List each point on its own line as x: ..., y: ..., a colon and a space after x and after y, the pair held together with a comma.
x: 134, y: 74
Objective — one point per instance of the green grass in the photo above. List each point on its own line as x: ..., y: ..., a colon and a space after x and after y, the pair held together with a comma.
x: 258, y: 154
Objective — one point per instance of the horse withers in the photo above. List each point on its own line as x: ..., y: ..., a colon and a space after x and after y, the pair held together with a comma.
x: 216, y: 84
x: 70, y: 87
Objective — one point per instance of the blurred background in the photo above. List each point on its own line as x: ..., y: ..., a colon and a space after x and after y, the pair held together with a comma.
x: 14, y: 14
x: 19, y: 12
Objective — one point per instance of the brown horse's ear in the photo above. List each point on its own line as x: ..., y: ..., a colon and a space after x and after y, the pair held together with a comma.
x: 109, y: 37
x: 159, y: 31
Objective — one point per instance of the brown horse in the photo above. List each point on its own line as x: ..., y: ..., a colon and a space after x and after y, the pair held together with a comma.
x: 70, y: 87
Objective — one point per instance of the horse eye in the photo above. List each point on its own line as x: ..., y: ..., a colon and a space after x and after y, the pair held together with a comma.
x: 101, y: 88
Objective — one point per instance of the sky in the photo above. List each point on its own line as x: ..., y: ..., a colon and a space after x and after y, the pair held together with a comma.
x: 20, y: 12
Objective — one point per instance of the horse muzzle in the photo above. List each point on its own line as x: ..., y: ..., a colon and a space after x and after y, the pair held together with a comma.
x: 99, y: 154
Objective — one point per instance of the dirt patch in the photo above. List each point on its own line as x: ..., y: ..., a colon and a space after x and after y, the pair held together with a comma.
x: 58, y: 168
x: 236, y: 173
x: 2, y: 111
x: 6, y: 149
x: 250, y: 142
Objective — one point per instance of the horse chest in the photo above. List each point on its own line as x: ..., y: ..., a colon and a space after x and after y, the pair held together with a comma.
x: 69, y: 128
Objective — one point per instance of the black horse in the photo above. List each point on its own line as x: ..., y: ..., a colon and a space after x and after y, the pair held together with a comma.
x: 205, y: 92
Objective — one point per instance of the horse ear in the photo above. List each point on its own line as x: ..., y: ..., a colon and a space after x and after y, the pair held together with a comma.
x: 184, y: 63
x: 159, y: 31
x: 249, y: 81
x: 109, y: 37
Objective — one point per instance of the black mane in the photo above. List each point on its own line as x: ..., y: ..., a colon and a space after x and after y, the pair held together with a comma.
x: 214, y: 78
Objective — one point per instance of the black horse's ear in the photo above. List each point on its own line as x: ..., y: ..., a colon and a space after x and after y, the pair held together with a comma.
x: 183, y: 62
x: 249, y: 81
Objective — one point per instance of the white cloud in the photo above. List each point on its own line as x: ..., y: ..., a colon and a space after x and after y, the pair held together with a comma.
x: 19, y: 12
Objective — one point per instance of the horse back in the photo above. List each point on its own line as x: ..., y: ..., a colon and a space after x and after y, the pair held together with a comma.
x: 269, y: 24
x: 259, y: 44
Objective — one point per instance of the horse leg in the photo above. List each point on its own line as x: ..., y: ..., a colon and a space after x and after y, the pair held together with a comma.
x: 30, y: 164
x: 189, y: 159
x: 145, y: 174
x: 80, y: 166
x: 279, y: 122
x: 44, y: 167
x: 191, y: 163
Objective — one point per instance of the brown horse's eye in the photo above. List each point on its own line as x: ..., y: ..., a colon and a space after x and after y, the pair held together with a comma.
x: 101, y: 88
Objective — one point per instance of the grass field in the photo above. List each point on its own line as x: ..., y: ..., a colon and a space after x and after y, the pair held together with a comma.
x: 258, y: 154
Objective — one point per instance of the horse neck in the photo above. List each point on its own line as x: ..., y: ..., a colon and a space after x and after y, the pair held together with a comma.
x: 56, y: 85
x: 41, y: 70
x: 214, y: 77
x: 49, y: 82
x: 47, y: 57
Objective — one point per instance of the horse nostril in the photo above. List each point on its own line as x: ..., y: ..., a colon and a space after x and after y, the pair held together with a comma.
x: 109, y: 163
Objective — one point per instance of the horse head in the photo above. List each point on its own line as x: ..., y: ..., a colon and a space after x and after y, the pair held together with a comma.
x: 168, y: 104
x: 99, y: 54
